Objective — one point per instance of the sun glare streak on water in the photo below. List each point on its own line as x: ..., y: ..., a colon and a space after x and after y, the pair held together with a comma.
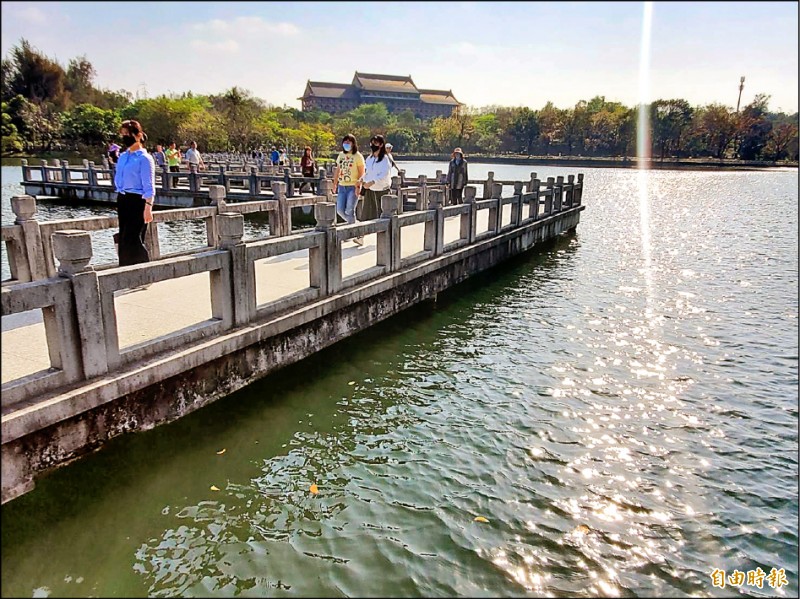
x: 643, y: 153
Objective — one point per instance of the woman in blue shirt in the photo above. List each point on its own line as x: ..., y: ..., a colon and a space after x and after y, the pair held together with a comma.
x: 134, y: 182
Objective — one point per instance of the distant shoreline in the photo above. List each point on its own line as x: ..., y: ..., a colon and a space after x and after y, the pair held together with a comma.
x: 572, y: 161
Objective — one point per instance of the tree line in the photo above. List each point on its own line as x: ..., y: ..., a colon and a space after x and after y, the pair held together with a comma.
x: 47, y: 107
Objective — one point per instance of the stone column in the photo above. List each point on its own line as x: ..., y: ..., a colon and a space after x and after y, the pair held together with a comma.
x: 469, y: 220
x: 529, y: 187
x: 387, y: 240
x: 325, y: 190
x: 45, y: 172
x: 194, y: 178
x: 281, y: 218
x: 434, y: 230
x: 325, y: 265
x: 422, y: 194
x: 533, y: 207
x: 26, y: 175
x: 496, y: 211
x: 548, y: 199
x: 32, y: 250
x: 73, y: 250
x: 287, y: 179
x: 516, y: 207
x: 558, y: 192
x: 255, y: 191
x: 579, y: 195
x: 569, y: 196
x: 488, y: 186
x: 65, y: 175
x: 91, y: 174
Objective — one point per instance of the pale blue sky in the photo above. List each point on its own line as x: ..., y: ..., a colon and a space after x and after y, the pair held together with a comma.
x: 488, y: 53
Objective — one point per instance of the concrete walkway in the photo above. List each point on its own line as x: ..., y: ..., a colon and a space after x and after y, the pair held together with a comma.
x: 171, y: 305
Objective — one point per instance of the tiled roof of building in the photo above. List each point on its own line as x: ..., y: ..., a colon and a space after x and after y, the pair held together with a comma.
x: 389, y: 83
x: 322, y: 89
x: 435, y: 96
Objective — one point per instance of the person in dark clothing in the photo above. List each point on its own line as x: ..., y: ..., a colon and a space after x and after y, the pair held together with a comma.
x: 307, y: 164
x: 457, y: 176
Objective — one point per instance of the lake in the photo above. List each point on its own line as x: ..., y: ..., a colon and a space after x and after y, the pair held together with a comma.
x: 620, y: 406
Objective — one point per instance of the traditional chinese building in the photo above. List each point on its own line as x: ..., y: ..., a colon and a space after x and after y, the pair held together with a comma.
x: 397, y: 93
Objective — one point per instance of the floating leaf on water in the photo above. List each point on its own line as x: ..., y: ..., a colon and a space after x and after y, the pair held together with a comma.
x: 214, y: 488
x: 480, y: 519
x: 314, y: 489
x: 221, y: 451
x: 581, y: 529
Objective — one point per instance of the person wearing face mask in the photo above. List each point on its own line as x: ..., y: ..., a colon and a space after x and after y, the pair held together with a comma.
x: 347, y: 177
x: 134, y: 181
x: 457, y: 177
x: 377, y: 179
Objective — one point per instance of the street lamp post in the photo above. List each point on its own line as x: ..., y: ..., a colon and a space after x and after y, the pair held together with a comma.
x: 741, y: 87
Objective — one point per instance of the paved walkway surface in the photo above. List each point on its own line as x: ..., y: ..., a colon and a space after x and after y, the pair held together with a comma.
x: 171, y: 305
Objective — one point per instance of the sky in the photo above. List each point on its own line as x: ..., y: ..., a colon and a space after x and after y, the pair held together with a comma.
x: 487, y: 53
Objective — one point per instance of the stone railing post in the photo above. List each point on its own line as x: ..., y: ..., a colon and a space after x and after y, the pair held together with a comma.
x: 32, y: 250
x: 216, y: 195
x: 46, y: 178
x: 569, y: 195
x: 402, y: 174
x: 91, y: 174
x: 388, y: 249
x: 488, y: 186
x: 325, y: 190
x: 548, y: 199
x: 579, y: 196
x: 533, y: 206
x: 558, y: 195
x: 469, y: 220
x: 194, y: 178
x: 254, y: 187
x: 434, y: 230
x: 57, y: 175
x: 26, y: 175
x: 240, y: 290
x: 325, y: 266
x: 287, y: 179
x: 151, y: 241
x: 166, y: 179
x: 73, y: 250
x: 496, y: 212
x: 516, y: 207
x: 529, y: 185
x: 105, y: 162
x: 282, y: 217
x: 422, y: 194
x: 222, y: 179
x: 65, y: 176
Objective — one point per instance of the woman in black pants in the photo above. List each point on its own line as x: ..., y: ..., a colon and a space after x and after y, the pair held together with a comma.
x: 134, y: 181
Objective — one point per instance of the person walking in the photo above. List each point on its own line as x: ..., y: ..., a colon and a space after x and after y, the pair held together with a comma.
x: 457, y: 176
x: 283, y: 160
x: 193, y: 156
x: 274, y: 156
x: 159, y: 156
x: 347, y: 177
x: 134, y: 182
x: 377, y: 179
x: 307, y: 164
x: 173, y: 158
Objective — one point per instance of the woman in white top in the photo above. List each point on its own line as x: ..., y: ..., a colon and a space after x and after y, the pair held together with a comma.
x: 377, y: 179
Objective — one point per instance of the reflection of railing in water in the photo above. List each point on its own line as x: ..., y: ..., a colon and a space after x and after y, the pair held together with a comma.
x: 90, y: 366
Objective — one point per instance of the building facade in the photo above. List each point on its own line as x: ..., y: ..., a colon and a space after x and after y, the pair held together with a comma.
x: 397, y: 93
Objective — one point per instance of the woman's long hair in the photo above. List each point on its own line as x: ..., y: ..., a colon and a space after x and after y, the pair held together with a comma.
x: 380, y: 140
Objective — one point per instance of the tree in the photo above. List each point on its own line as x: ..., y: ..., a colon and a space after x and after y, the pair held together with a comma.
x: 715, y: 128
x: 374, y: 117
x: 35, y: 77
x: 12, y: 142
x: 43, y: 124
x: 90, y: 125
x: 670, y: 119
x: 551, y: 125
x: 525, y: 129
x: 402, y: 139
x: 239, y: 110
x: 79, y: 78
x: 753, y: 128
x: 779, y: 141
